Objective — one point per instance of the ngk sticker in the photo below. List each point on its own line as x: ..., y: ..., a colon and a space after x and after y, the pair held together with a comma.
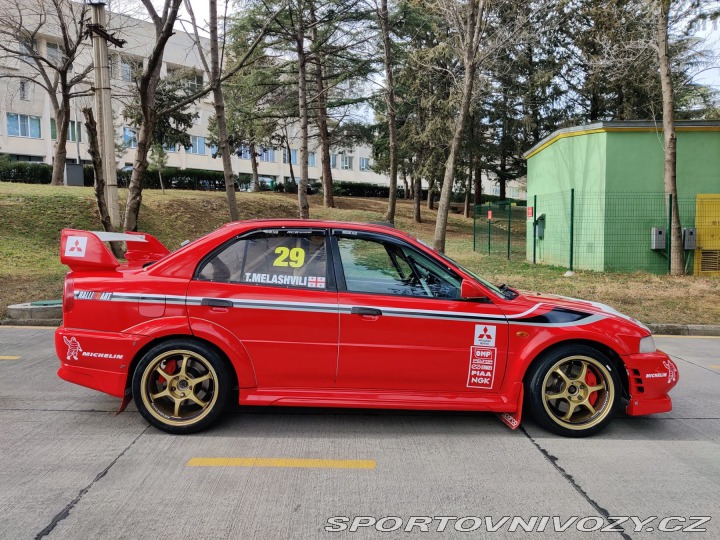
x: 482, y: 367
x: 485, y: 335
x: 75, y: 246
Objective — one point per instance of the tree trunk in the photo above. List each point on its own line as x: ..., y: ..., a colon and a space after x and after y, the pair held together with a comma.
x: 478, y: 182
x: 62, y: 121
x: 472, y: 37
x: 677, y: 253
x: 219, y: 103
x: 431, y: 195
x: 303, y: 204
x: 134, y: 197
x: 94, y: 151
x: 390, y: 105
x: 322, y: 120
x: 254, y: 166
x: 417, y: 195
x: 406, y: 188
x: 468, y: 190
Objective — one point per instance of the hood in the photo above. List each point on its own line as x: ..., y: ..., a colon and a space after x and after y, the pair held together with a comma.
x: 552, y: 301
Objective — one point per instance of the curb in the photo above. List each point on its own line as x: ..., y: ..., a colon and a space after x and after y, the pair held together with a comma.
x: 31, y: 322
x: 685, y: 329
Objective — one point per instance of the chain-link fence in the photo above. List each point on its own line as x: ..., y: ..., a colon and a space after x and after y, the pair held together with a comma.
x: 592, y: 231
x: 500, y: 229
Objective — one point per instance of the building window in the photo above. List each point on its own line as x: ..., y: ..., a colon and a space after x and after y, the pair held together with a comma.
x: 333, y: 161
x: 311, y: 159
x: 364, y: 164
x: 243, y: 152
x: 26, y: 48
x: 74, y: 130
x: 23, y: 125
x: 130, y: 138
x: 213, y: 150
x: 170, y: 148
x: 267, y: 154
x: 126, y: 69
x: 24, y: 90
x: 197, y: 145
x: 293, y: 156
x: 347, y: 163
x: 195, y: 82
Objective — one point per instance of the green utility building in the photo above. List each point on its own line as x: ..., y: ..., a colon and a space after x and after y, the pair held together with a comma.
x: 596, y: 194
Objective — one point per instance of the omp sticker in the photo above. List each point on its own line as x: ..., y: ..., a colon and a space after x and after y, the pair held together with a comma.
x: 482, y: 367
x: 485, y: 335
x: 75, y: 246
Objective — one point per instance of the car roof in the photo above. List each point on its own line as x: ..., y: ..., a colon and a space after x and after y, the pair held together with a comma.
x: 310, y: 223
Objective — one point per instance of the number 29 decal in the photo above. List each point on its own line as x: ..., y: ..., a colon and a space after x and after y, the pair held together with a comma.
x: 296, y: 256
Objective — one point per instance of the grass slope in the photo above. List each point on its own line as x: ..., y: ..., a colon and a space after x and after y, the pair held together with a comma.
x: 31, y: 218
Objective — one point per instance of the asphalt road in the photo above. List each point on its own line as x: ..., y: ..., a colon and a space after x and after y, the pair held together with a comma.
x: 70, y: 469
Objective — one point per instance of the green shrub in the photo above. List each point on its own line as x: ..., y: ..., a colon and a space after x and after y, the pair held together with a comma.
x: 25, y: 172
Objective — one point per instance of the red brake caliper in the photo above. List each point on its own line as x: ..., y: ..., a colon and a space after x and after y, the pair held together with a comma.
x: 169, y: 369
x: 591, y: 380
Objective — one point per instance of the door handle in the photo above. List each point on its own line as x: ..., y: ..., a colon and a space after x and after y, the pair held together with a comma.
x: 216, y: 302
x: 370, y: 312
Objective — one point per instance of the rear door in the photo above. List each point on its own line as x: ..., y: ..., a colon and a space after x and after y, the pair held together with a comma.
x: 403, y: 325
x: 272, y: 289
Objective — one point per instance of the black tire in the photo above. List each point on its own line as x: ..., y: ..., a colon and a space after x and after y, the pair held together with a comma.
x: 586, y: 385
x: 181, y: 386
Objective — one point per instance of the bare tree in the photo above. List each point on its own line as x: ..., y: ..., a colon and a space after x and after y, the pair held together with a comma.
x: 471, y: 26
x: 147, y: 85
x: 382, y: 14
x: 213, y: 71
x: 46, y: 64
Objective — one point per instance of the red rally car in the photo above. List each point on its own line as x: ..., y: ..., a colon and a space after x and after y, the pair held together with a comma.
x: 317, y: 313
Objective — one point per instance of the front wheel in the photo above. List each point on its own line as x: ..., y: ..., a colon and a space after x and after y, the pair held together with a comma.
x: 180, y: 386
x: 573, y: 391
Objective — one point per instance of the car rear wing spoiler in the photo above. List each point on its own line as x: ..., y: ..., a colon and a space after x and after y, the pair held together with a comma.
x: 85, y: 250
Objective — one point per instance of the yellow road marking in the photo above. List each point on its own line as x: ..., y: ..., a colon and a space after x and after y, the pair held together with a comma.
x: 283, y: 462
x: 10, y: 357
x: 714, y: 366
x: 21, y: 327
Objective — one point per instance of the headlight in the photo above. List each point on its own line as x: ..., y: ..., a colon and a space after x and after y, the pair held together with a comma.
x: 647, y: 345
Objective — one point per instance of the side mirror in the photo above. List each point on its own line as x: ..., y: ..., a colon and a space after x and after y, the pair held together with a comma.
x: 470, y: 290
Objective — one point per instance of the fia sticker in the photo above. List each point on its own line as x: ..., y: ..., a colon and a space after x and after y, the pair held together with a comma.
x: 485, y: 335
x: 75, y: 246
x: 482, y: 367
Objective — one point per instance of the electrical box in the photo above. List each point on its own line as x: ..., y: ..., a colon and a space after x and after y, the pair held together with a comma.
x: 657, y: 238
x: 688, y: 235
x: 540, y: 227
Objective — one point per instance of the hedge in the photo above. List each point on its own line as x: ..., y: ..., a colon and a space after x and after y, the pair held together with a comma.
x: 26, y: 172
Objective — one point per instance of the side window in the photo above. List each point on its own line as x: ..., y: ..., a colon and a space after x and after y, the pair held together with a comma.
x: 282, y: 260
x: 375, y: 267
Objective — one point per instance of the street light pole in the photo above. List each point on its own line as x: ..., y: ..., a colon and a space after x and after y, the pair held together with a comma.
x: 103, y: 104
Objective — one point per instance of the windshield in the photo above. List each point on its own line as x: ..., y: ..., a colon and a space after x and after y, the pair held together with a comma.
x: 486, y: 284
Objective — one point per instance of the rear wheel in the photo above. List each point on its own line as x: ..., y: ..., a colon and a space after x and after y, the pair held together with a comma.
x: 573, y: 391
x: 180, y: 386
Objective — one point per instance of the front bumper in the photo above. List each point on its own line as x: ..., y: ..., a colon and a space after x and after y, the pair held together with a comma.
x: 650, y: 376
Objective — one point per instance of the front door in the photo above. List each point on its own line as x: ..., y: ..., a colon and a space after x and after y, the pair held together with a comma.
x: 403, y: 325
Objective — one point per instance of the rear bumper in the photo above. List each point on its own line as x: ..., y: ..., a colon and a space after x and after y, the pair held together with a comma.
x: 651, y: 376
x: 97, y: 360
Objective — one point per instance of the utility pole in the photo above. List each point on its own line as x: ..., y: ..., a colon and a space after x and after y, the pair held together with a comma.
x: 106, y: 133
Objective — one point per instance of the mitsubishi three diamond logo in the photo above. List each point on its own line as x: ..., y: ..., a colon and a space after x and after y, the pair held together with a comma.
x: 485, y: 335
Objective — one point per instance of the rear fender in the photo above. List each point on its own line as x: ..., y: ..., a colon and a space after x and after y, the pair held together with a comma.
x: 229, y: 344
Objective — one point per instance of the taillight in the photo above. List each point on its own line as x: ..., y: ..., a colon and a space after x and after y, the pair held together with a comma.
x: 69, y: 293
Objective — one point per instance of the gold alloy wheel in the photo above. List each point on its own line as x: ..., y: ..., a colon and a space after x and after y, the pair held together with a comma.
x: 578, y: 392
x: 179, y: 387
